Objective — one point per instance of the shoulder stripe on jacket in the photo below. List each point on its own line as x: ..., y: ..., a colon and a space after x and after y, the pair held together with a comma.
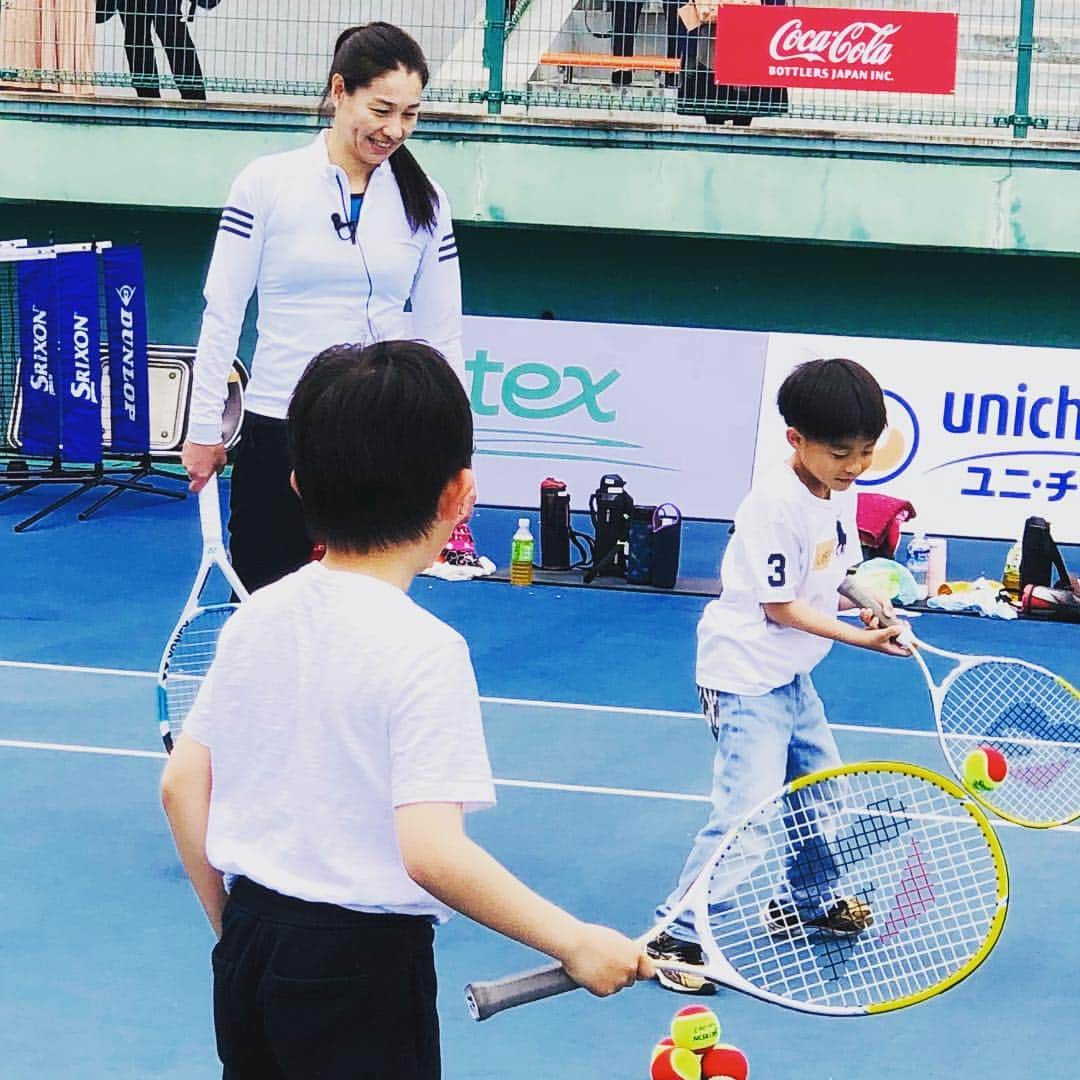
x: 448, y: 248
x: 236, y: 221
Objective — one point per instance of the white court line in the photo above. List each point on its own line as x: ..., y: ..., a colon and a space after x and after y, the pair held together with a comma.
x: 71, y: 748
x: 541, y: 785
x: 527, y: 703
x: 123, y: 672
x: 534, y: 785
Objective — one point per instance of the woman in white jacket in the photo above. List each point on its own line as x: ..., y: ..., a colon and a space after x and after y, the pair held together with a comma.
x: 343, y: 240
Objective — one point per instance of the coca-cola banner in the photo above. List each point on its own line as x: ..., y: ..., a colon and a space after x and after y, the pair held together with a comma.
x: 841, y: 48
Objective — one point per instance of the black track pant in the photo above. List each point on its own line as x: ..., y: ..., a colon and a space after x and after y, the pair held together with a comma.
x: 163, y: 16
x: 306, y: 991
x: 267, y: 535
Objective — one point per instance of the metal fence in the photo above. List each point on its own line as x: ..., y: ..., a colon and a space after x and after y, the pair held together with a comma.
x: 1018, y: 63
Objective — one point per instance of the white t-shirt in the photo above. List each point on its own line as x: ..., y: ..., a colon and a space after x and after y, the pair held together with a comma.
x: 332, y: 700
x: 788, y: 545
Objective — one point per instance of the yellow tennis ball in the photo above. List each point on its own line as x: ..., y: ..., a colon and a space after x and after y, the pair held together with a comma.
x: 675, y: 1063
x: 984, y: 769
x: 695, y: 1028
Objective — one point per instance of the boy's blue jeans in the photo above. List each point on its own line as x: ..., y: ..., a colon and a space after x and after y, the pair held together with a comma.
x: 762, y: 743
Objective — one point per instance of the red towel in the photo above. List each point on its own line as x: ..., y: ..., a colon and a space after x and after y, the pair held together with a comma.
x: 879, y: 518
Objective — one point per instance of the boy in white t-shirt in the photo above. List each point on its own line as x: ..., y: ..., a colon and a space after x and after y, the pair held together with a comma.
x: 326, y: 764
x: 775, y: 619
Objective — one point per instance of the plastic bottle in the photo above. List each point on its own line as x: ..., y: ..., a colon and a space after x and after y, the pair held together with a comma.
x: 1010, y: 575
x: 918, y: 562
x: 936, y: 572
x: 521, y: 554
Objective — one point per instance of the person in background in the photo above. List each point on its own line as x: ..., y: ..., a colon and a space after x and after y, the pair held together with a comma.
x: 164, y: 17
x: 338, y: 239
x: 49, y: 35
x: 700, y: 95
x: 624, y: 21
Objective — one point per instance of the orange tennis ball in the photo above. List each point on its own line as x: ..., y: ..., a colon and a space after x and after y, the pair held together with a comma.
x: 676, y: 1063
x: 724, y: 1062
x: 695, y: 1027
x: 660, y: 1047
x: 985, y: 768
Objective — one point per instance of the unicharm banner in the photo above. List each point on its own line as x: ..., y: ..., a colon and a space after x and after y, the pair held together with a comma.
x: 672, y: 411
x: 979, y: 438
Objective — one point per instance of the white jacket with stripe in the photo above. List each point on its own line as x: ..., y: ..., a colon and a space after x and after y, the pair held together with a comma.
x: 317, y: 286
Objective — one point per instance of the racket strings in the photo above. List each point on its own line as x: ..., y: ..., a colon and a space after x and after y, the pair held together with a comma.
x: 1033, y: 719
x: 189, y: 659
x: 911, y: 857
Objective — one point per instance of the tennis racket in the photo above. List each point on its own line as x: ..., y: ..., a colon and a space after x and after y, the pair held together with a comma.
x: 905, y: 850
x: 1027, y: 713
x: 191, y: 646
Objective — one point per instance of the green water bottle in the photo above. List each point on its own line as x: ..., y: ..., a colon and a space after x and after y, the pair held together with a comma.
x: 521, y: 555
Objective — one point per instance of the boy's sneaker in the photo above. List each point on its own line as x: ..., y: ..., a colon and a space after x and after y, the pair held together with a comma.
x: 845, y: 918
x: 666, y: 947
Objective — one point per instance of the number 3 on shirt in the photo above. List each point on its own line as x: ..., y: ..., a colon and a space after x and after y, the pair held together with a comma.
x: 778, y: 577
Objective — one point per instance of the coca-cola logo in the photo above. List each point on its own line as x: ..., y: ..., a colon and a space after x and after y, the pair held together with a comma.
x: 857, y: 43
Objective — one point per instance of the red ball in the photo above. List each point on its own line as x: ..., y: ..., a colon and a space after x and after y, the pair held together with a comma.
x: 996, y: 765
x: 676, y: 1063
x: 661, y: 1046
x: 723, y: 1060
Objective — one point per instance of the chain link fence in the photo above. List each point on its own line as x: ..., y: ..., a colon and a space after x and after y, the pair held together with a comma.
x: 1018, y: 64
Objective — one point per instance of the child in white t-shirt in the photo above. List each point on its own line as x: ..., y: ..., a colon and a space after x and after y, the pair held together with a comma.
x: 775, y: 619
x: 335, y: 744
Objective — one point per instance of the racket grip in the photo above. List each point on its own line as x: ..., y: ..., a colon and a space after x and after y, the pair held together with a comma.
x: 863, y: 598
x: 485, y: 999
x: 210, y: 510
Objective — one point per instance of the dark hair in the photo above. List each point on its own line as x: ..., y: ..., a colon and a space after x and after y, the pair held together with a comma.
x: 361, y: 55
x: 375, y: 434
x: 832, y: 400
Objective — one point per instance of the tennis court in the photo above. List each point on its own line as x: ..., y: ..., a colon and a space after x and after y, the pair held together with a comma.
x: 104, y: 959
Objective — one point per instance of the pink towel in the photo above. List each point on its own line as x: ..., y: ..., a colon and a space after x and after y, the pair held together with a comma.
x: 879, y: 518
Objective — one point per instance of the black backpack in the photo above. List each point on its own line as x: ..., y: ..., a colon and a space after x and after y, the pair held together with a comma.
x: 1040, y: 556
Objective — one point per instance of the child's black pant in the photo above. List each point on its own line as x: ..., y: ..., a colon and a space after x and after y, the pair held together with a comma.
x: 306, y: 991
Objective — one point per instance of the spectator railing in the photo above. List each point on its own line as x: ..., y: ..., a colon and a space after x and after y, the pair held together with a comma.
x: 1018, y: 62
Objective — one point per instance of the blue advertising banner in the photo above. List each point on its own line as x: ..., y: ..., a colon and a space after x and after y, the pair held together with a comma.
x: 125, y: 318
x: 39, y: 429
x: 78, y: 330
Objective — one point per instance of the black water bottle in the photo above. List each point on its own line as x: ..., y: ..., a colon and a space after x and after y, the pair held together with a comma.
x: 1040, y: 556
x: 611, y: 505
x: 666, y: 541
x: 554, y: 525
x: 639, y: 554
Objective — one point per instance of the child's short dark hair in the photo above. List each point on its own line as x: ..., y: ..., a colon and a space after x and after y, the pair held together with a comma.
x: 832, y: 400
x: 375, y: 434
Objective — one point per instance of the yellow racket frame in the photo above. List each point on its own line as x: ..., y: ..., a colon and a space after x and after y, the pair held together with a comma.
x: 974, y: 809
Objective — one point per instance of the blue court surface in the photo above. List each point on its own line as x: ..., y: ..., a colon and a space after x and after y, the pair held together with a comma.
x: 603, y: 765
